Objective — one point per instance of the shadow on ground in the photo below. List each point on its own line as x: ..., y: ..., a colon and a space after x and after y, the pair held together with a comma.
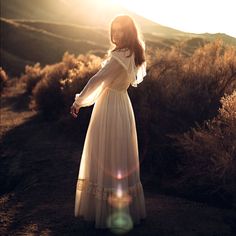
x: 39, y: 165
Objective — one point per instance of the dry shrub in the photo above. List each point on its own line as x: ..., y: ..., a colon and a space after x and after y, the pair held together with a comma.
x: 55, y: 91
x: 33, y: 74
x: 78, y: 75
x: 180, y: 92
x: 3, y: 78
x: 188, y: 89
x: 208, y: 164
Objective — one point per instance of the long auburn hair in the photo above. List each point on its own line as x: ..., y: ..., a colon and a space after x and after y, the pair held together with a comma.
x: 132, y: 38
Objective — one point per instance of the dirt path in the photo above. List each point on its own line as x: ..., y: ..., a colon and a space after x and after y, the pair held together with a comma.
x: 38, y: 166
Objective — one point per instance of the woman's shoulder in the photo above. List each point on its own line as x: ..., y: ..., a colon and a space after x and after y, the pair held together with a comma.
x: 119, y: 54
x: 123, y: 57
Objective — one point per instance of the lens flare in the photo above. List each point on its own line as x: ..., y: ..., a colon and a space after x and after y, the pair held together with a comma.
x: 119, y: 175
x: 119, y: 201
x: 119, y: 192
x: 120, y: 222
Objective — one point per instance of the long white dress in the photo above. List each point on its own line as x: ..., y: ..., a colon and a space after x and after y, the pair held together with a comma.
x: 108, y: 185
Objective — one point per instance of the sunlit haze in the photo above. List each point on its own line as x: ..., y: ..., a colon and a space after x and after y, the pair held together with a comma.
x: 201, y: 16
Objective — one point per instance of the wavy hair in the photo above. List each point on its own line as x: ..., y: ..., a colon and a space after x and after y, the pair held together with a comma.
x: 132, y: 38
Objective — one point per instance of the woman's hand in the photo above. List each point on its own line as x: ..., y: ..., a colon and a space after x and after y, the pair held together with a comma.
x: 74, y: 111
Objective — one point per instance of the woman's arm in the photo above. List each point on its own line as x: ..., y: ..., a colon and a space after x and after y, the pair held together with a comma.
x: 96, y: 84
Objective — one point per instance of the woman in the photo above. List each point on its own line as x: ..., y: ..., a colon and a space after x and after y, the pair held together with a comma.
x: 108, y: 187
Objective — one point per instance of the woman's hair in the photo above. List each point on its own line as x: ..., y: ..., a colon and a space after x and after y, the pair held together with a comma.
x: 132, y: 37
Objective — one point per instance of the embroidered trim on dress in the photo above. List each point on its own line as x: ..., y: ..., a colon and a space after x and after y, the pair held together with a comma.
x: 102, y: 192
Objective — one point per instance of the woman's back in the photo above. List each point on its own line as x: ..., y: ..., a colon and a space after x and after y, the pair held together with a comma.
x: 124, y: 78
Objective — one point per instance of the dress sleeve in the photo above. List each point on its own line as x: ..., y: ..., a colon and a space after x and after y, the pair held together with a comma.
x: 138, y: 74
x: 97, y: 83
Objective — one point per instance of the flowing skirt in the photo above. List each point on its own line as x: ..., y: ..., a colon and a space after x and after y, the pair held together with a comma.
x: 108, y: 185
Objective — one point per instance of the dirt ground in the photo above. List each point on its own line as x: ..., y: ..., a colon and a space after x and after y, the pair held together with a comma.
x: 38, y: 168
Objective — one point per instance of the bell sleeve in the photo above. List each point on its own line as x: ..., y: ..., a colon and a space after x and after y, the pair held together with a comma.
x: 138, y: 74
x: 109, y: 71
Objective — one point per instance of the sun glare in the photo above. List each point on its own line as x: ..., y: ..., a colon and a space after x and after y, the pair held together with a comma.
x: 191, y: 16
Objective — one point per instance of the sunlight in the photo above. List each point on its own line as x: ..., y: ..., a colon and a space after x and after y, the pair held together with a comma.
x: 191, y: 16
x: 119, y: 175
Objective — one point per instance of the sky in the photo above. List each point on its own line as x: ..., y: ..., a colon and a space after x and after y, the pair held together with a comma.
x: 195, y: 16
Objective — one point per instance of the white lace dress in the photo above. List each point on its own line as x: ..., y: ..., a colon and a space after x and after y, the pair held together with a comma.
x: 109, y: 174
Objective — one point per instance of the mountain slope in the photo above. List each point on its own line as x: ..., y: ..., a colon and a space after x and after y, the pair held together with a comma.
x: 72, y: 31
x: 79, y: 12
x: 46, y: 29
x: 36, y: 45
x: 46, y: 42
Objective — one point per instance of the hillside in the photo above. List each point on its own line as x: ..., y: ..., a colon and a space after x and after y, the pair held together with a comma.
x: 57, y: 11
x: 53, y: 39
x: 159, y: 36
x: 103, y: 11
x: 44, y: 30
x: 72, y: 31
x: 37, y: 45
